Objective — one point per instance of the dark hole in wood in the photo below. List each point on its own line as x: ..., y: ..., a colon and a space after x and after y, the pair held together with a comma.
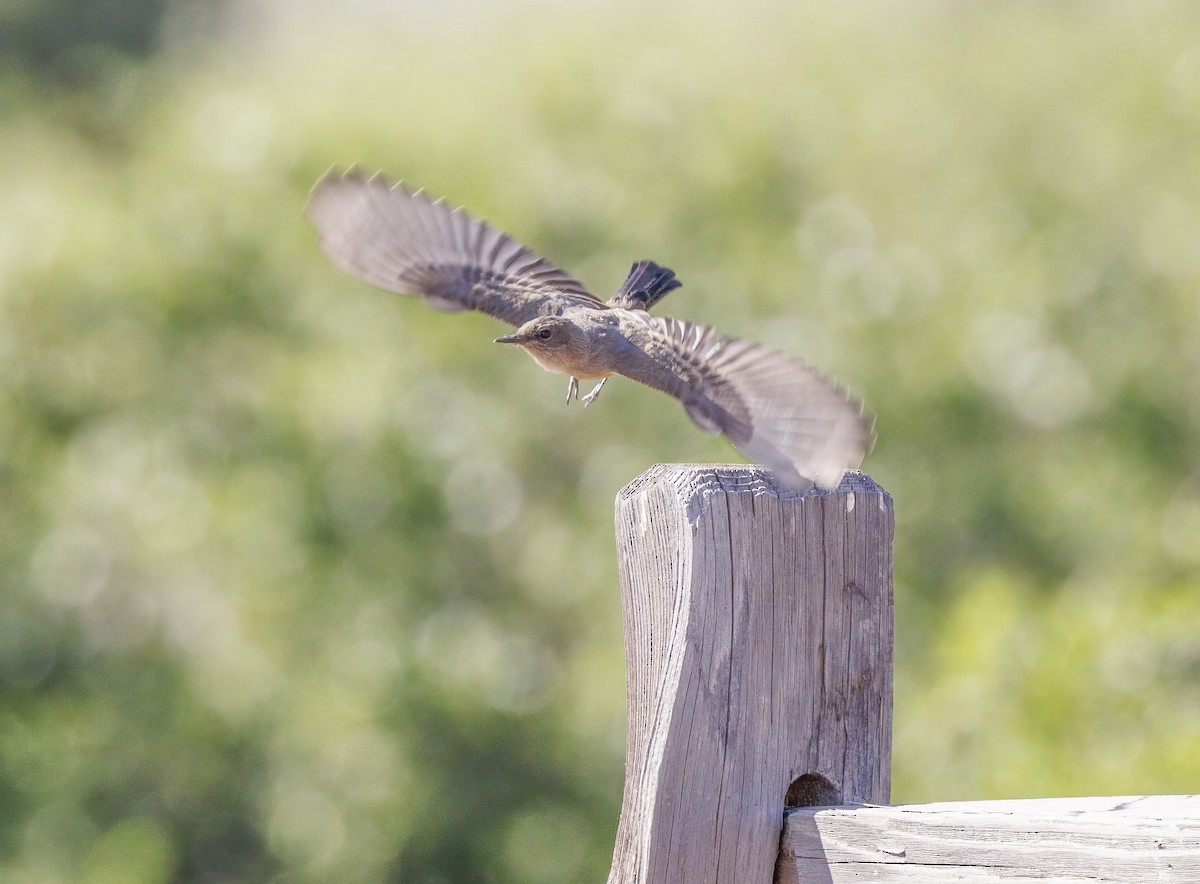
x: 812, y: 790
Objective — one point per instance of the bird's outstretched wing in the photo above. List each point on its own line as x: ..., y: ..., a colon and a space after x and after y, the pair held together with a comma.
x: 775, y: 409
x: 405, y: 242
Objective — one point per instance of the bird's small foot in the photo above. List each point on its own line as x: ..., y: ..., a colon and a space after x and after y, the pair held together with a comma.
x: 573, y: 389
x: 590, y: 397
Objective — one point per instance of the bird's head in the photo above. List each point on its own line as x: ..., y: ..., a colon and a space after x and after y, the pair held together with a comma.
x: 545, y: 334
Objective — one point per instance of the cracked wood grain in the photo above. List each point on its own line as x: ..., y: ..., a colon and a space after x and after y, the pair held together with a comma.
x: 758, y: 636
x: 1154, y: 838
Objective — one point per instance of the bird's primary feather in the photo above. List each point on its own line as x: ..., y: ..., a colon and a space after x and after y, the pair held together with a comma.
x: 404, y: 242
x: 776, y: 409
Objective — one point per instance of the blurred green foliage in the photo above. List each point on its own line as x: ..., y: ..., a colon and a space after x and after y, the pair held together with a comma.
x: 304, y: 582
x: 51, y: 36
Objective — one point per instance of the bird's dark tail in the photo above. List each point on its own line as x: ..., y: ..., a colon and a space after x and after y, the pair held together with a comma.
x: 646, y: 285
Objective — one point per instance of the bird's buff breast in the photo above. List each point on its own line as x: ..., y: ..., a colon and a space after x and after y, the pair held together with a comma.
x: 574, y: 364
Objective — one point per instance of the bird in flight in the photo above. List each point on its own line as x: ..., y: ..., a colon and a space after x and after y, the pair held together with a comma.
x: 773, y: 408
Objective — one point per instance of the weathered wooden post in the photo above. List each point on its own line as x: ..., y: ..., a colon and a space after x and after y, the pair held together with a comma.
x: 758, y: 642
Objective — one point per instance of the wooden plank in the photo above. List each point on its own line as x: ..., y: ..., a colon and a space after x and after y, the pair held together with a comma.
x: 758, y: 636
x: 1153, y: 838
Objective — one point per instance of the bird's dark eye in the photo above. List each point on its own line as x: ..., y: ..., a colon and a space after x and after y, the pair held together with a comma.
x: 544, y: 333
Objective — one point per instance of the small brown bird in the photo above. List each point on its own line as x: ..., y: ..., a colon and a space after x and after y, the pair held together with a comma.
x: 775, y: 409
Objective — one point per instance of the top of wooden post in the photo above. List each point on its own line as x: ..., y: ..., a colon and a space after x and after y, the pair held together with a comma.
x: 739, y: 477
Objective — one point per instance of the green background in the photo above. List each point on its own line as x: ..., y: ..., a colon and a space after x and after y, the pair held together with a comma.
x: 303, y: 582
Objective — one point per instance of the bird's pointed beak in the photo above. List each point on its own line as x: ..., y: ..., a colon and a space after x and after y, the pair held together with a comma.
x: 510, y: 339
